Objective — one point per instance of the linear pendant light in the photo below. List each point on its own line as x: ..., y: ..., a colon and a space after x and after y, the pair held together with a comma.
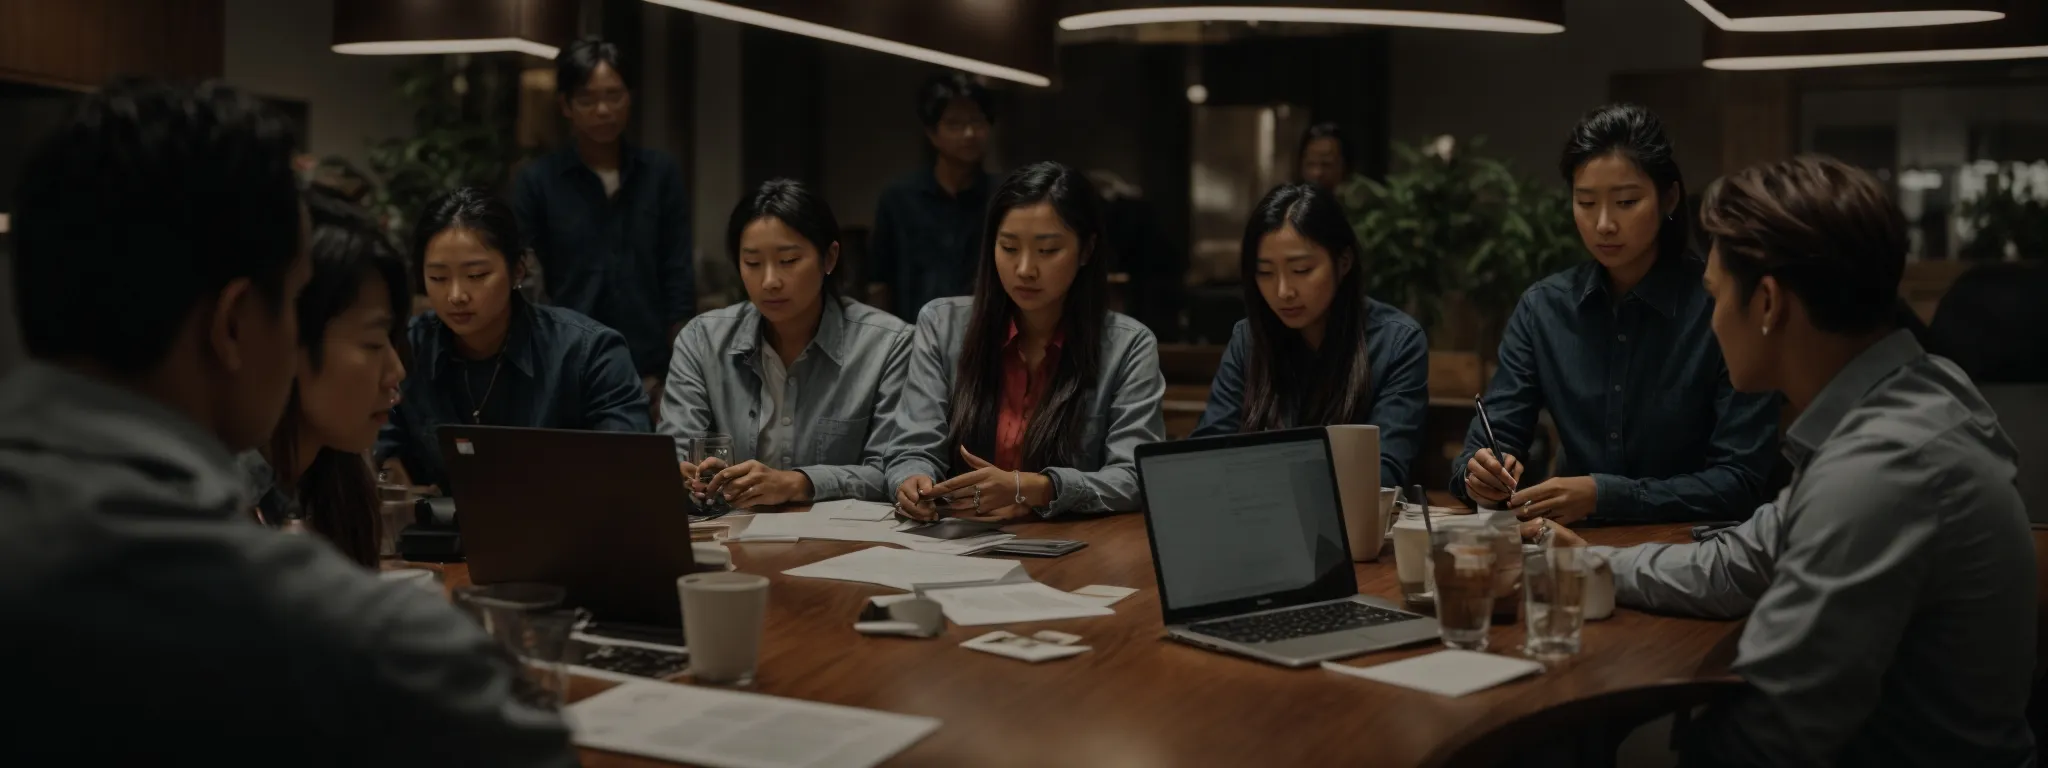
x: 2022, y: 34
x: 1518, y: 16
x: 1006, y: 39
x: 1814, y: 15
x: 398, y: 27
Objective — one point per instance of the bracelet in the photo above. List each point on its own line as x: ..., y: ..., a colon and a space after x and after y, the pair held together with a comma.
x: 1017, y: 481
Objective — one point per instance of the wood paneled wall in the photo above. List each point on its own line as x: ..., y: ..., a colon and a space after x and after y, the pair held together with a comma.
x: 81, y: 43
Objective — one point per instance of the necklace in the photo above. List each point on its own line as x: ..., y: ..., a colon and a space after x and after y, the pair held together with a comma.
x: 476, y: 416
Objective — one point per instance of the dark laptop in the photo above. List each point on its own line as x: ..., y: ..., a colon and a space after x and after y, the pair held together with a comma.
x: 602, y: 514
x: 1248, y: 546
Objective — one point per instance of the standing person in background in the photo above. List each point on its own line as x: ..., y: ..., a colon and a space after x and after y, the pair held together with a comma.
x: 928, y: 225
x: 608, y: 220
x: 1620, y: 351
x: 161, y: 256
x: 1325, y: 156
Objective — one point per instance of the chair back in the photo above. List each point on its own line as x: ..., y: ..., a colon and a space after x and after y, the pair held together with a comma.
x: 1597, y: 724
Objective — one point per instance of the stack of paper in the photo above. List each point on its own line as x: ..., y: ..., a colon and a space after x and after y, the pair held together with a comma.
x: 908, y: 570
x: 849, y: 521
x: 728, y: 729
x: 1009, y: 604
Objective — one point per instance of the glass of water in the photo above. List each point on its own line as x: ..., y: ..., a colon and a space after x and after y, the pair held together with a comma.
x: 1464, y: 558
x: 711, y: 453
x: 1554, y: 580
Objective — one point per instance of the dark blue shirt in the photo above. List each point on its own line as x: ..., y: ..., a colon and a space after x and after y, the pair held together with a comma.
x: 927, y: 241
x: 1639, y: 393
x: 560, y: 370
x: 1397, y: 357
x: 623, y: 261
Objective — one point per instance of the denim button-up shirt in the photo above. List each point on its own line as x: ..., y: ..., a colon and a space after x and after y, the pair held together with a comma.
x: 623, y: 261
x: 1123, y: 412
x: 846, y: 387
x: 561, y: 370
x: 1639, y: 393
x: 1397, y: 356
x: 927, y: 241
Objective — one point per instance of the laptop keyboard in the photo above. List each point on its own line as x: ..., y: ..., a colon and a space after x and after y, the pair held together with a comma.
x: 1300, y: 622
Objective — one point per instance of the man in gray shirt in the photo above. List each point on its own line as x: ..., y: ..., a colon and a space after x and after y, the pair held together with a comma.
x: 161, y: 247
x: 1890, y: 588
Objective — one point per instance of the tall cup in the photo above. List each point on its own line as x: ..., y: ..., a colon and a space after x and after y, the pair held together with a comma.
x: 723, y: 616
x: 1411, y: 558
x: 1355, y: 452
x: 1462, y: 553
x: 530, y: 626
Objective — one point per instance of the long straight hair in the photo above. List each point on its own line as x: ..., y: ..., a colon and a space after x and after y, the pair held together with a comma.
x: 1635, y: 133
x: 1287, y: 380
x: 1053, y: 436
x: 337, y: 491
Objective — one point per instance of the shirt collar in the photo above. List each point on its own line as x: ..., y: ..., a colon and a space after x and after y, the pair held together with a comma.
x: 49, y: 407
x: 1059, y: 338
x: 568, y: 160
x: 975, y: 184
x: 831, y: 331
x: 519, y: 344
x: 1845, y: 391
x: 1664, y: 288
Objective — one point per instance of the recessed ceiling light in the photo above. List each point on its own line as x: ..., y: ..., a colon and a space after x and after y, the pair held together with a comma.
x: 485, y: 45
x: 1819, y: 60
x: 1376, y: 16
x: 1809, y: 22
x: 753, y: 17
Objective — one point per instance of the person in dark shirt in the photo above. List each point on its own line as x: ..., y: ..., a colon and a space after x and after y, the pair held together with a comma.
x: 1317, y: 350
x: 484, y: 355
x: 1324, y: 157
x: 610, y: 220
x: 161, y: 254
x: 1620, y: 351
x: 928, y: 225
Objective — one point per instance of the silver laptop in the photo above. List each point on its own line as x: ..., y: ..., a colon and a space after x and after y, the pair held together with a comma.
x: 1248, y: 546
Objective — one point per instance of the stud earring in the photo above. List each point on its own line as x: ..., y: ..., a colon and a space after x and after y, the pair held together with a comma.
x: 1767, y: 330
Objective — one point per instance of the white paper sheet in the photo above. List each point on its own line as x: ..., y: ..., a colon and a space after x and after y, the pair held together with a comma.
x: 1445, y: 673
x: 849, y: 509
x: 966, y: 546
x: 729, y: 729
x: 1102, y: 595
x: 1011, y: 604
x: 827, y: 526
x: 904, y: 570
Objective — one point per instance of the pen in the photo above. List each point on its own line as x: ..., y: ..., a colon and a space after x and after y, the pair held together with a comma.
x: 1492, y: 443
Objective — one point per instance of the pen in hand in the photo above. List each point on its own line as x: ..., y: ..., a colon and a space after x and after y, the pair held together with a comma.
x: 1493, y: 444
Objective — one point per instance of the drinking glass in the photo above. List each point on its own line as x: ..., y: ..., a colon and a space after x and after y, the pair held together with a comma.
x: 711, y: 453
x: 1411, y: 557
x: 1554, y: 582
x: 533, y: 630
x: 1463, y: 557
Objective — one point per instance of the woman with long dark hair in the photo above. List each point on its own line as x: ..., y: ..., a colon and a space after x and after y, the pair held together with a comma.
x: 1031, y: 396
x: 486, y: 356
x: 1620, y: 351
x: 1316, y: 350
x: 314, y: 472
x: 803, y: 379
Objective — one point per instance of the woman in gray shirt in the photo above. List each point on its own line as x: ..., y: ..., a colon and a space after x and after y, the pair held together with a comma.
x: 1031, y: 396
x: 803, y: 379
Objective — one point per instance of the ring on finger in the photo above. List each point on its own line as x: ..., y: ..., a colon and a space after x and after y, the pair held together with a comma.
x: 977, y: 499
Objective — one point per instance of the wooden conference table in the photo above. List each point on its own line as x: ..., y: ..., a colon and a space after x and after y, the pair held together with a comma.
x: 1139, y: 700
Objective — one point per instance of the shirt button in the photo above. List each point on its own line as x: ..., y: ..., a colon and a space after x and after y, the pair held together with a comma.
x: 1614, y: 435
x: 1617, y: 387
x: 785, y: 421
x: 785, y: 461
x: 1621, y: 336
x: 792, y: 381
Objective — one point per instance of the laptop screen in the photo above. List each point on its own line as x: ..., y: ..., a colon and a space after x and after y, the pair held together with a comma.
x: 1239, y: 523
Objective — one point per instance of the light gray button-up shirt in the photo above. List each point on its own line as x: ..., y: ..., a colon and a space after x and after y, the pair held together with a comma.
x: 137, y: 592
x: 847, y: 385
x: 1890, y: 589
x: 1122, y: 414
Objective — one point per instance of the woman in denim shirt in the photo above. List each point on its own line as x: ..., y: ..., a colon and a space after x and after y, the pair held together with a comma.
x: 1031, y: 396
x: 1621, y: 352
x: 486, y: 356
x: 803, y: 379
x: 1316, y: 350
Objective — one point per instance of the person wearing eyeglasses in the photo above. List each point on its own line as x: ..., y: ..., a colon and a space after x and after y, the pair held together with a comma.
x: 927, y: 231
x: 609, y: 219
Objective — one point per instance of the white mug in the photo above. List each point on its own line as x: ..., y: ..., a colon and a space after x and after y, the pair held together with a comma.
x: 723, y: 617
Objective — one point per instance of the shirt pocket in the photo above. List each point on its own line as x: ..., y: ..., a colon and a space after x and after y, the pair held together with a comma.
x: 839, y: 442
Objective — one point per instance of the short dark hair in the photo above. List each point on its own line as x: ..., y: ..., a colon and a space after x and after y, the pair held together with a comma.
x: 795, y: 205
x: 944, y: 89
x: 1634, y: 133
x: 147, y: 202
x: 1825, y: 229
x: 579, y: 60
x: 475, y: 210
x: 1328, y: 130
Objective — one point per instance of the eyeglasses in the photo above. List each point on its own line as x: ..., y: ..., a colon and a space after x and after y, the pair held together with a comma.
x: 588, y: 102
x: 960, y: 125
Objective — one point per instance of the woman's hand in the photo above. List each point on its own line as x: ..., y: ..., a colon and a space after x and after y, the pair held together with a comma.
x: 987, y: 493
x: 753, y: 484
x: 910, y: 501
x: 1490, y: 479
x: 1564, y: 499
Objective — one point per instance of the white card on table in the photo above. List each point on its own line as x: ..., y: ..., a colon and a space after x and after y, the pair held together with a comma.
x: 1104, y: 595
x: 1029, y: 649
x: 1445, y: 673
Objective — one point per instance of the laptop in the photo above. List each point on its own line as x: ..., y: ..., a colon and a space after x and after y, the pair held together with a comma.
x: 604, y: 515
x: 1249, y: 549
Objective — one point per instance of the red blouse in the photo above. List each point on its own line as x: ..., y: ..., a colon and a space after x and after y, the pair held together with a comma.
x: 1022, y: 388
